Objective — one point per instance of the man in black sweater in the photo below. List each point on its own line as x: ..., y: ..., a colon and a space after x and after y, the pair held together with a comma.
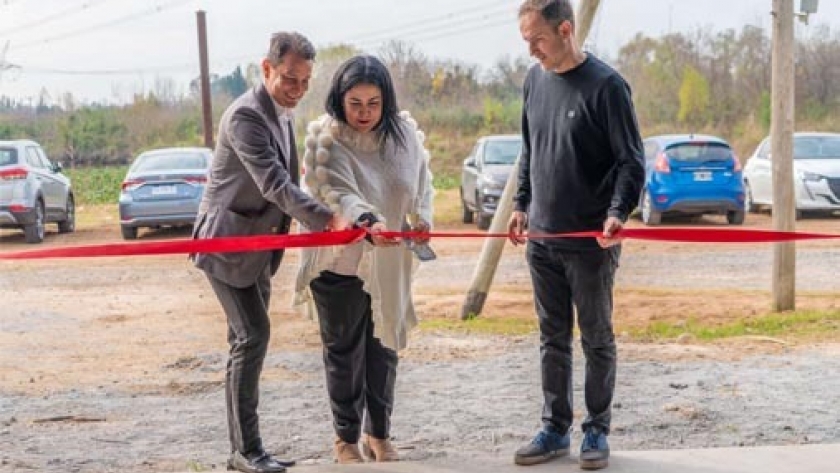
x: 581, y: 169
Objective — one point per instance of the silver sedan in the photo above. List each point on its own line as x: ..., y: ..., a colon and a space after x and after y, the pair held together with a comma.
x: 163, y: 187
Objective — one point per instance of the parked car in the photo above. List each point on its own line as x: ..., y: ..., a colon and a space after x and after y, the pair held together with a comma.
x: 163, y: 187
x: 33, y: 191
x: 484, y: 175
x: 816, y: 173
x: 691, y: 174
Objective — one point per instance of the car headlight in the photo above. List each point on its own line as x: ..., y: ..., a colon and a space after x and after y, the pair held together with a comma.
x: 488, y: 182
x: 810, y: 176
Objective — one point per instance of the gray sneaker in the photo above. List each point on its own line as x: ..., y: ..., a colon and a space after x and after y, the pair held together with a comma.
x: 547, y: 444
x: 594, y: 451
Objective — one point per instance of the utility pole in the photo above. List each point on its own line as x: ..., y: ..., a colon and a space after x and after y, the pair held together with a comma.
x: 488, y: 260
x: 781, y: 131
x: 206, y: 103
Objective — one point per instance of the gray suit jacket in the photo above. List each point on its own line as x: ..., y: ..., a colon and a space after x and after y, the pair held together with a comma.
x: 252, y: 189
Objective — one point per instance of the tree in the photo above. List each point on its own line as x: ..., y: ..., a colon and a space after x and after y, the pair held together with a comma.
x: 694, y: 97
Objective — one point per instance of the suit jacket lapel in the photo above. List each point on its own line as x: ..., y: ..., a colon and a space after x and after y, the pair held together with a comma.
x: 294, y: 169
x: 267, y: 104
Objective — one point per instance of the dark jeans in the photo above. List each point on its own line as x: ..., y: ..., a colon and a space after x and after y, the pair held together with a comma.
x: 361, y: 372
x: 248, y: 336
x: 564, y: 281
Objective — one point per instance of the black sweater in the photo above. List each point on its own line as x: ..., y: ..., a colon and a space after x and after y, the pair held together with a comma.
x: 582, y: 156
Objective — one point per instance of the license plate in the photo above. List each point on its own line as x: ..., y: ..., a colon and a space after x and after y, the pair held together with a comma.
x: 702, y: 176
x: 164, y: 190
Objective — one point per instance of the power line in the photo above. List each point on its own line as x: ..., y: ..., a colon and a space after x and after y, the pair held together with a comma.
x: 55, y: 16
x: 107, y: 24
x: 420, y: 24
x: 109, y: 72
x: 444, y: 31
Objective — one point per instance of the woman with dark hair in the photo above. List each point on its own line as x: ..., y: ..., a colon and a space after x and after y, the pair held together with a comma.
x: 367, y: 162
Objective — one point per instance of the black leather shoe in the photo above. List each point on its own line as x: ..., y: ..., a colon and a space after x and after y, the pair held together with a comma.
x: 259, y: 462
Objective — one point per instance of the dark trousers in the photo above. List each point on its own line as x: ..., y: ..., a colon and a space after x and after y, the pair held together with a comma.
x: 248, y: 336
x: 565, y: 280
x: 361, y: 372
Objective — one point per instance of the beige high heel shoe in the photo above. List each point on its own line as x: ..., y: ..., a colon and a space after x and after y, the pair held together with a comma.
x: 347, y: 453
x: 380, y: 450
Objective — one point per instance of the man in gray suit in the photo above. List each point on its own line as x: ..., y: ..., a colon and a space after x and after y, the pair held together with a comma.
x: 253, y: 190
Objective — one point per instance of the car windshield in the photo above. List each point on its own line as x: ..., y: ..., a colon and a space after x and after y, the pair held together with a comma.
x: 699, y: 152
x: 8, y: 156
x: 816, y: 147
x: 163, y: 162
x: 501, y: 152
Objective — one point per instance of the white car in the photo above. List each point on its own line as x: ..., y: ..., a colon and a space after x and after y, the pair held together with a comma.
x: 816, y: 171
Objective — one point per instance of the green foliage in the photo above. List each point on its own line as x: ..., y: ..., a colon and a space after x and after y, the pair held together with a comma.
x: 232, y: 85
x: 502, y: 116
x: 765, y: 110
x: 694, y: 97
x: 100, y: 185
x: 703, y: 81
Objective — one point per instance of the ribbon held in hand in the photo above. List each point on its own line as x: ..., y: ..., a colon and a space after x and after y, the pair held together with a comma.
x: 345, y: 237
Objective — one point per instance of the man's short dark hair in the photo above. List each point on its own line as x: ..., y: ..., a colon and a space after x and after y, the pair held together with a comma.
x: 554, y: 12
x: 285, y: 42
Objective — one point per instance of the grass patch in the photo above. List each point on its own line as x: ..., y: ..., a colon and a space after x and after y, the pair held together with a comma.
x: 100, y: 185
x: 446, y: 182
x: 447, y: 207
x: 96, y: 215
x: 482, y: 325
x: 798, y: 323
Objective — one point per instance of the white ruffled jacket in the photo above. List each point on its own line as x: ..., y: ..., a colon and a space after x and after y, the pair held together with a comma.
x: 354, y: 175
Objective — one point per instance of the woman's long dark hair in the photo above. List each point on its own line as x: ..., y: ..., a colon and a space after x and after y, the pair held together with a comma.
x: 367, y: 70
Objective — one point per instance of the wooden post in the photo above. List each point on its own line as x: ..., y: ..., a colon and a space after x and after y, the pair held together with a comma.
x: 492, y: 250
x: 206, y: 102
x: 781, y: 131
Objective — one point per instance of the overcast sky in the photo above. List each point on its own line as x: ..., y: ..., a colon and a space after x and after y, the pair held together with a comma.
x: 107, y: 50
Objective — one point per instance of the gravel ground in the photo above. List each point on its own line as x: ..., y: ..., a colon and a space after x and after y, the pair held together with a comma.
x: 447, y: 411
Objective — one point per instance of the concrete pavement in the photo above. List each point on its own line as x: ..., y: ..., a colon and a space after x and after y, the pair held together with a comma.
x: 823, y: 458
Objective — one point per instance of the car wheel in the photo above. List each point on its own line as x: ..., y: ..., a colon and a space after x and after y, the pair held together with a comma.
x: 467, y: 214
x: 735, y: 217
x: 749, y: 203
x: 34, y: 232
x: 484, y: 221
x: 649, y: 215
x: 129, y: 233
x: 68, y: 225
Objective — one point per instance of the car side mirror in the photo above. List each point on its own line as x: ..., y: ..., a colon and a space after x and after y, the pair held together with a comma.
x: 57, y: 167
x: 470, y: 162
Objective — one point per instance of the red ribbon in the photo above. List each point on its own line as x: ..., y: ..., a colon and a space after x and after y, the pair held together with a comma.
x: 309, y: 240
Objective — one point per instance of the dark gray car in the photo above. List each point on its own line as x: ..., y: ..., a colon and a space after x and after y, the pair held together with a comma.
x: 484, y: 175
x: 163, y: 187
x: 33, y: 191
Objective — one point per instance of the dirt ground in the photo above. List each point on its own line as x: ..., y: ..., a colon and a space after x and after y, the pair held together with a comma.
x: 114, y: 363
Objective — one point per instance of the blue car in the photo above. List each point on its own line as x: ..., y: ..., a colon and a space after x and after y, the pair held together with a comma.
x: 691, y: 175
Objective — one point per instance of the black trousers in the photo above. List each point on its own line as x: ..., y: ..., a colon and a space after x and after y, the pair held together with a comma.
x: 248, y: 336
x: 361, y: 372
x: 565, y: 280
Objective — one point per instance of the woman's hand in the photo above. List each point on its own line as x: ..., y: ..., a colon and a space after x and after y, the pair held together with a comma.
x: 379, y: 240
x: 422, y: 232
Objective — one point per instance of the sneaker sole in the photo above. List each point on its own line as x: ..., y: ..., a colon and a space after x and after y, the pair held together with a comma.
x: 535, y: 460
x: 593, y: 464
